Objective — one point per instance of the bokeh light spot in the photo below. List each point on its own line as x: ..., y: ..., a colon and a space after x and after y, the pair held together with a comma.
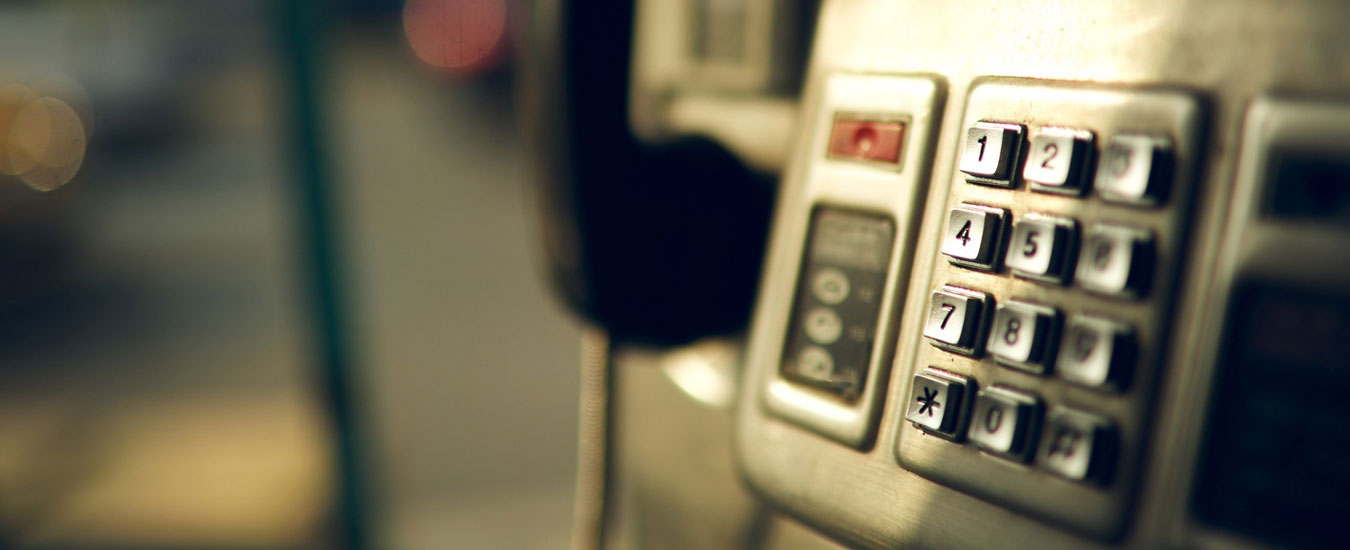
x: 459, y: 35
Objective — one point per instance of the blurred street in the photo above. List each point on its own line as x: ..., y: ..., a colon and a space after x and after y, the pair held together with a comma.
x: 157, y: 386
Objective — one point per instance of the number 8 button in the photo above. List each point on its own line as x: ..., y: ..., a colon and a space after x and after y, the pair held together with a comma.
x: 1023, y: 335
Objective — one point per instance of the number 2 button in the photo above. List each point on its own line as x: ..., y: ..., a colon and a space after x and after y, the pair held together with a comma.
x: 1056, y: 161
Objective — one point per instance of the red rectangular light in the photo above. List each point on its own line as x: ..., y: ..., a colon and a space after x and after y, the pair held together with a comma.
x: 862, y: 139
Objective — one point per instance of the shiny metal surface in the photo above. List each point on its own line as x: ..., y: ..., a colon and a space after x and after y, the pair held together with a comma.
x: 1219, y: 55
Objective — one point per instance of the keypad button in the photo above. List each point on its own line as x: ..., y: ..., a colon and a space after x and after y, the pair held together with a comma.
x: 1116, y: 260
x: 816, y: 363
x: 1096, y: 352
x: 955, y: 316
x: 1004, y: 421
x: 1023, y: 335
x: 1042, y: 247
x: 1078, y: 445
x: 972, y: 236
x: 936, y: 398
x: 1057, y: 160
x: 991, y: 152
x: 823, y: 325
x: 830, y: 286
x: 1135, y: 169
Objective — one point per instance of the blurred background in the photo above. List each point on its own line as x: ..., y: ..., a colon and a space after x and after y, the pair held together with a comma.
x: 269, y: 281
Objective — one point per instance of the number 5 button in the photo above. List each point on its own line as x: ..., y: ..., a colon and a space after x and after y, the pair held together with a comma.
x: 1023, y: 335
x: 1055, y: 163
x: 972, y: 235
x: 1041, y: 247
x: 954, y: 319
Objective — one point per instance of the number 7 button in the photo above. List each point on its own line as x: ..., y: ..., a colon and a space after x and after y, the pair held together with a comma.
x: 954, y: 317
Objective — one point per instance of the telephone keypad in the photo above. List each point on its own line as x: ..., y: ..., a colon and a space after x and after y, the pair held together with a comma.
x: 1135, y: 169
x: 1023, y: 336
x: 1042, y: 248
x: 1096, y: 352
x: 1003, y: 422
x: 972, y: 236
x: 936, y: 402
x: 1058, y: 160
x: 1077, y: 317
x: 955, y: 316
x: 1116, y: 260
x: 1077, y: 445
x: 991, y: 153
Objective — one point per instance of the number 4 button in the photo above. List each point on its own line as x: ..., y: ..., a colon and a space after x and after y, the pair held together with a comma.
x: 972, y: 235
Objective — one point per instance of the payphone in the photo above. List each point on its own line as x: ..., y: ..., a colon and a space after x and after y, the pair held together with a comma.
x: 1048, y: 274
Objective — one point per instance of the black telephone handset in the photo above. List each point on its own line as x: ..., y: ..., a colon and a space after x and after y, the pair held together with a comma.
x: 655, y: 243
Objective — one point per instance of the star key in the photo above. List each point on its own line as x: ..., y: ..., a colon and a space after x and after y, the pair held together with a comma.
x: 936, y: 402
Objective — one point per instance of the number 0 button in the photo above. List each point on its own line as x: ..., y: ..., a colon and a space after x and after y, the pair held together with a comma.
x: 954, y: 319
x: 1023, y: 335
x: 991, y: 152
x: 1003, y: 421
x: 972, y: 235
x: 1041, y: 247
x: 1056, y: 161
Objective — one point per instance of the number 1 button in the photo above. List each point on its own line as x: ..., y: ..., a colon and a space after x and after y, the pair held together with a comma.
x: 1056, y: 160
x: 954, y: 319
x: 972, y: 235
x: 991, y: 151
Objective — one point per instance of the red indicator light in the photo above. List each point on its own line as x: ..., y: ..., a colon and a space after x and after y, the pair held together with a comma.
x: 875, y: 140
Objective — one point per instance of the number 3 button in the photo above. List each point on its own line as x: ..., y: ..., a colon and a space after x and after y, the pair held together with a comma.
x: 1023, y: 335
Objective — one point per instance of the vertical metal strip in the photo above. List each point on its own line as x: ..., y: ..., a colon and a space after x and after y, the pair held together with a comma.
x: 595, y: 465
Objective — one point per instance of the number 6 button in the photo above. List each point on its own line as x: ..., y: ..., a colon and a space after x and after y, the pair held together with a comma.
x: 1023, y: 336
x: 1041, y: 247
x: 1116, y: 260
x: 1057, y: 159
x: 954, y: 319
